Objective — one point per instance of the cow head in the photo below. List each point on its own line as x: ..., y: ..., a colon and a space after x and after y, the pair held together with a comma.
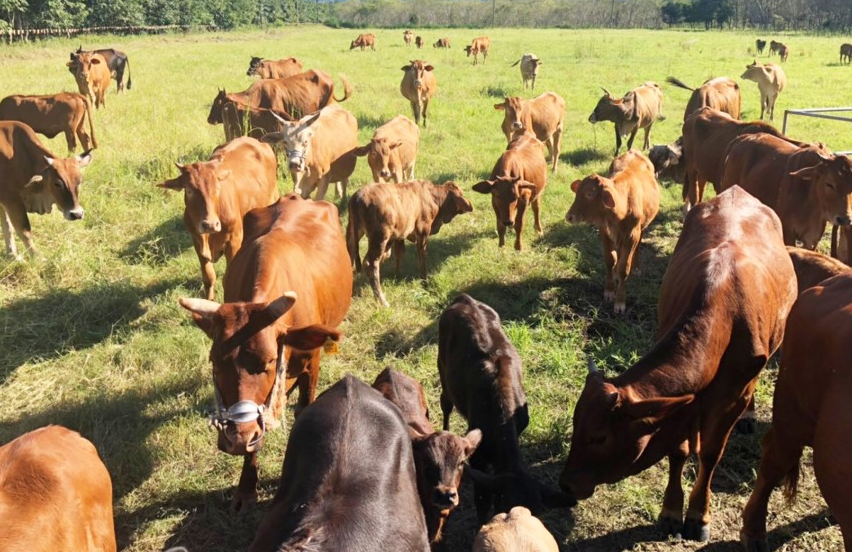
x: 756, y: 72
x: 355, y: 43
x: 468, y: 49
x: 513, y: 108
x: 215, y: 116
x: 254, y: 65
x: 200, y: 183
x: 249, y: 341
x: 610, y: 108
x: 454, y: 203
x: 832, y: 181
x: 74, y: 62
x: 594, y: 197
x: 417, y: 70
x: 85, y: 61
x: 666, y: 158
x: 296, y: 140
x: 505, y: 192
x: 378, y: 153
x: 58, y: 183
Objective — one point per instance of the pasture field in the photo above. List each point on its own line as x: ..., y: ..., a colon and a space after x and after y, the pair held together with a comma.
x: 92, y: 336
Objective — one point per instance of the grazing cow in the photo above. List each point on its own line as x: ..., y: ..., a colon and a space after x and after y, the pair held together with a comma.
x: 92, y: 77
x: 517, y: 180
x: 269, y: 69
x: 774, y: 47
x: 481, y: 377
x: 418, y: 86
x: 760, y: 44
x: 442, y: 43
x: 720, y: 93
x: 810, y: 409
x: 348, y: 480
x: 286, y: 290
x: 846, y: 53
x: 542, y: 115
x: 480, y: 45
x: 668, y: 161
x: 364, y: 40
x: 516, y: 531
x: 32, y: 179
x: 418, y: 42
x: 319, y: 150
x: 639, y: 108
x: 438, y: 457
x: 784, y: 52
x: 117, y: 61
x: 391, y: 213
x: 49, y: 115
x: 621, y: 205
x: 55, y: 494
x: 723, y: 303
x: 242, y: 120
x: 392, y: 151
x: 770, y: 79
x: 812, y: 267
x: 529, y: 69
x: 241, y: 175
x: 807, y: 186
x: 408, y: 36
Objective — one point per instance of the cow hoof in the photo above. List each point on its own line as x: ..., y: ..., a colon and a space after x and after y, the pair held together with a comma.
x: 696, y: 530
x: 751, y: 544
x: 242, y: 503
x: 609, y: 296
x: 746, y: 426
x: 620, y: 308
x: 670, y: 526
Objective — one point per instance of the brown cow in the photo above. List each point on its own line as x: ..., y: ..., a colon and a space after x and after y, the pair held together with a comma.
x: 442, y: 43
x: 721, y: 93
x: 32, y: 179
x: 49, y: 115
x: 239, y: 120
x: 286, y: 291
x: 810, y: 409
x: 784, y: 52
x: 516, y: 531
x: 639, y: 108
x: 408, y: 395
x: 846, y: 53
x: 364, y: 40
x: 621, y: 205
x: 529, y: 69
x: 418, y: 86
x: 807, y: 186
x: 55, y: 494
x: 668, y: 161
x: 393, y: 150
x: 270, y: 69
x: 117, y: 61
x: 480, y: 45
x: 418, y: 41
x: 774, y: 47
x: 812, y: 267
x: 240, y: 176
x: 408, y: 36
x: 92, y: 77
x: 319, y: 150
x: 391, y: 213
x: 770, y: 79
x: 517, y: 180
x: 542, y: 115
x: 723, y: 303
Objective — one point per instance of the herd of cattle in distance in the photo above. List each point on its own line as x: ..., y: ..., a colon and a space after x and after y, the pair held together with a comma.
x: 727, y: 301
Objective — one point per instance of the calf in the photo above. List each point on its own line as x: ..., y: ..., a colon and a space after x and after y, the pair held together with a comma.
x: 812, y: 267
x: 390, y: 214
x: 241, y: 175
x: 668, y: 161
x: 639, y: 108
x: 364, y: 40
x: 516, y: 531
x: 517, y: 180
x: 480, y: 45
x: 348, y: 480
x: 621, y: 205
x: 92, y: 77
x: 117, y: 62
x: 393, y: 150
x: 770, y: 79
x: 760, y: 44
x: 542, y: 115
x: 845, y: 53
x: 784, y: 52
x: 529, y: 69
x: 442, y: 43
x: 720, y: 93
x: 774, y: 47
x: 55, y: 494
x: 408, y: 36
x: 50, y: 115
x: 418, y: 41
x: 418, y: 86
x: 319, y: 150
x: 810, y: 409
x: 269, y: 69
x: 723, y: 303
x: 480, y: 374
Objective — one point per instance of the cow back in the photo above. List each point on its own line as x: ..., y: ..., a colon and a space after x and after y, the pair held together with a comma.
x: 648, y: 104
x: 336, y: 134
x: 753, y: 163
x: 47, y: 114
x: 812, y: 267
x: 721, y: 93
x: 21, y: 157
x: 297, y: 96
x: 524, y: 159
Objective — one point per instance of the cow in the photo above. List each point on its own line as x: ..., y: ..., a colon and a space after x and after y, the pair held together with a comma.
x: 480, y: 45
x: 760, y: 45
x: 723, y: 303
x: 480, y: 373
x: 418, y: 41
x: 784, y: 52
x: 774, y: 47
x: 32, y: 179
x: 319, y: 150
x: 418, y: 86
x: 364, y: 40
x: 517, y: 180
x: 529, y: 69
x: 720, y: 93
x: 439, y: 457
x: 240, y: 175
x: 639, y: 108
x: 770, y: 79
x: 668, y: 161
x: 515, y: 531
x: 810, y: 408
x: 807, y: 186
x: 286, y: 291
x: 242, y: 120
x: 845, y: 53
x: 442, y: 43
x: 812, y: 267
x: 51, y: 114
x: 408, y: 36
x: 117, y: 61
x: 392, y: 151
x: 391, y: 213
x: 270, y: 69
x: 55, y: 494
x: 92, y: 77
x: 542, y: 115
x: 622, y: 205
x: 348, y: 480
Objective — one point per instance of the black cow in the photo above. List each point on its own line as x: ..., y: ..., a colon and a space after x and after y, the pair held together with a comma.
x: 116, y: 61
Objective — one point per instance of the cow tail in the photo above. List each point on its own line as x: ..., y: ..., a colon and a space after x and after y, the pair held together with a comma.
x: 347, y: 89
x: 128, y: 73
x: 517, y: 62
x: 352, y: 240
x: 834, y: 236
x: 679, y: 83
x: 791, y: 481
x: 89, y: 117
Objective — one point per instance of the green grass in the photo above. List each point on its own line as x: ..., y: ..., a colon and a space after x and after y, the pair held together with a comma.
x: 92, y: 337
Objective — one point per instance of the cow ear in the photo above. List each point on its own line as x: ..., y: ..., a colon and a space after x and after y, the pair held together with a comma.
x: 396, y: 144
x: 657, y: 407
x: 276, y: 309
x: 526, y: 185
x: 84, y: 159
x: 173, y: 184
x: 34, y: 180
x: 428, y: 67
x: 272, y: 137
x: 463, y: 205
x: 95, y: 61
x: 608, y: 199
x: 406, y: 68
x: 500, y: 106
x: 575, y: 186
x: 361, y: 151
x: 483, y: 187
x: 70, y: 63
x: 416, y: 436
x: 808, y: 173
x: 205, y: 313
x: 310, y: 337
x: 471, y: 441
x: 224, y: 174
x: 673, y: 157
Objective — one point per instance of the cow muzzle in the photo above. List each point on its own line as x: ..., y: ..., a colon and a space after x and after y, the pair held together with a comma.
x: 517, y: 125
x: 241, y: 427
x: 77, y: 214
x: 444, y: 497
x: 296, y: 160
x: 208, y: 226
x: 418, y: 84
x: 385, y: 173
x: 593, y: 119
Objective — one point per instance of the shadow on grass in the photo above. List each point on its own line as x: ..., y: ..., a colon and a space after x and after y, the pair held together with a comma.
x: 368, y: 120
x: 159, y: 245
x: 495, y: 91
x: 584, y: 155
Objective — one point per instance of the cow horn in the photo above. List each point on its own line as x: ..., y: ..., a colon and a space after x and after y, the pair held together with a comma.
x: 606, y: 91
x: 593, y: 369
x: 278, y: 117
x: 201, y: 307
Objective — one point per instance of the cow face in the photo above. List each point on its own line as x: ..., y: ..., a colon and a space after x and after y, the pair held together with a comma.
x: 505, y: 192
x: 296, y: 140
x: 468, y: 49
x: 417, y: 72
x: 513, y: 109
x: 454, y: 204
x: 215, y: 116
x: 59, y: 183
x: 594, y: 198
x: 756, y: 72
x: 254, y: 65
x: 831, y: 178
x: 439, y: 459
x: 201, y: 184
x: 378, y: 153
x: 355, y: 43
x: 85, y: 61
x: 665, y: 158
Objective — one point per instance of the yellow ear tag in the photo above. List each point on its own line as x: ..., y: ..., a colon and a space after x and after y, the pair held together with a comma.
x: 330, y: 346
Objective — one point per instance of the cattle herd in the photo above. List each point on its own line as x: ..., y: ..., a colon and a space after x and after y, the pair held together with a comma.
x: 365, y: 469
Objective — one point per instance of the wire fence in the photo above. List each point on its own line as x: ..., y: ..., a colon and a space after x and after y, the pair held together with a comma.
x: 24, y: 35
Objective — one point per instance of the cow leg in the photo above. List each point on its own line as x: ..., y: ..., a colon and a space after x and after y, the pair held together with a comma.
x: 415, y: 107
x: 626, y: 251
x: 763, y: 101
x: 398, y: 251
x: 341, y: 188
x: 609, y: 262
x: 8, y: 237
x: 747, y: 424
x: 446, y: 407
x: 617, y: 140
x: 536, y: 207
x: 246, y: 494
x: 308, y: 377
x: 501, y: 229
x: 646, y: 143
x: 421, y: 252
x: 632, y: 137
x: 425, y: 111
x: 17, y: 216
x: 519, y: 224
x: 772, y: 107
x: 71, y: 139
x: 372, y: 263
x: 671, y: 516
x: 322, y: 188
x: 205, y: 259
x: 556, y: 145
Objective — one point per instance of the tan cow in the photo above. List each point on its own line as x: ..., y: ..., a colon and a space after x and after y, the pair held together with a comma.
x: 621, y: 205
x: 846, y: 53
x: 49, y: 115
x: 721, y: 93
x: 517, y: 531
x: 639, y: 108
x: 418, y: 86
x: 442, y: 43
x: 55, y: 494
x: 480, y: 45
x: 392, y: 151
x: 542, y: 115
x: 319, y: 150
x: 364, y: 40
x: 408, y: 36
x: 270, y: 69
x: 529, y: 69
x: 418, y: 41
x: 32, y: 179
x: 240, y: 176
x: 92, y: 77
x: 770, y: 79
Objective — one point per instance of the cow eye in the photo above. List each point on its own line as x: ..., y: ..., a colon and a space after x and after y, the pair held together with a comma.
x: 59, y: 183
x: 830, y: 185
